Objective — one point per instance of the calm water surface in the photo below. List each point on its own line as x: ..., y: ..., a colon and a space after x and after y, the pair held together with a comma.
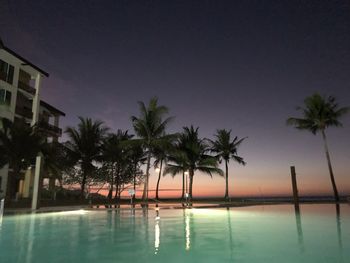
x: 319, y: 233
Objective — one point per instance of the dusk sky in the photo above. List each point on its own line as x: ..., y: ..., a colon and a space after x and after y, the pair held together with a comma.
x: 240, y: 65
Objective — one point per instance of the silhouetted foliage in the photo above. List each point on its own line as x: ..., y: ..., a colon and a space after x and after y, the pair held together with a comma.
x: 192, y: 154
x: 318, y: 114
x: 20, y: 143
x: 226, y: 149
x: 85, y: 146
x: 150, y: 127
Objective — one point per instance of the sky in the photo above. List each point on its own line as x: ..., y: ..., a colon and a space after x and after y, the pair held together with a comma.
x: 240, y: 65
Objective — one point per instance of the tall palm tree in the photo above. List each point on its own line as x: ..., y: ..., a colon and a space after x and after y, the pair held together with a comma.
x: 193, y: 156
x: 150, y: 127
x: 226, y: 149
x: 20, y: 143
x: 318, y: 114
x: 85, y: 145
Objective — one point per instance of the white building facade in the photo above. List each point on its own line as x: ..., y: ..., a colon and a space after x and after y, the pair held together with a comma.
x: 20, y: 85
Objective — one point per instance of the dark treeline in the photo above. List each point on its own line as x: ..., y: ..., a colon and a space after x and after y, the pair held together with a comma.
x: 96, y: 157
x: 99, y: 157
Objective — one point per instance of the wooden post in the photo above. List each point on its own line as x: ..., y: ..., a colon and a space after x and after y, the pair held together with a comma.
x: 295, y: 188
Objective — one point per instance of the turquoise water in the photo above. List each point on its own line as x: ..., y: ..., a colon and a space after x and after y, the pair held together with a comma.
x: 320, y: 233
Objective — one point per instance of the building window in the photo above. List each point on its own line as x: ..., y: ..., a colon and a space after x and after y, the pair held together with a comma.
x: 6, y: 72
x: 5, y: 97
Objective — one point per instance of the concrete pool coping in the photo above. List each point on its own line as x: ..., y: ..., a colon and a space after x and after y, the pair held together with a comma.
x: 177, y: 205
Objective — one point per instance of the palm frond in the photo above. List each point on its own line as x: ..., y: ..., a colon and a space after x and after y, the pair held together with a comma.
x: 318, y: 113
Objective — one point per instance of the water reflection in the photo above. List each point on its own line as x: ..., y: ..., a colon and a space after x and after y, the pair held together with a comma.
x: 338, y: 226
x: 132, y: 210
x: 340, y: 240
x: 299, y: 228
x: 30, y: 239
x: 157, y: 232
x: 145, y: 222
x: 187, y: 229
x: 230, y: 235
x: 230, y: 232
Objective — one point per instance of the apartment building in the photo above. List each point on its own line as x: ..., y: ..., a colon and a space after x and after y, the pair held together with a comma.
x: 20, y: 85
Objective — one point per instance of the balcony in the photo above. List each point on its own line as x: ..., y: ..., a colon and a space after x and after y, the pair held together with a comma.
x: 26, y: 87
x: 52, y: 129
x: 24, y: 112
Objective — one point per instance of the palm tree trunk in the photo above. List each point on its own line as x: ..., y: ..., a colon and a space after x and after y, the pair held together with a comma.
x: 183, y: 185
x: 145, y: 187
x: 83, y: 182
x: 191, y: 173
x: 120, y: 192
x: 335, y: 190
x: 159, y: 175
x: 52, y: 186
x: 116, y: 186
x: 134, y: 195
x: 110, y: 194
x: 85, y: 166
x: 226, y: 190
x: 117, y: 181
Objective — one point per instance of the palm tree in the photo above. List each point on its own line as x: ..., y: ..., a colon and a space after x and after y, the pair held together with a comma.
x: 192, y: 156
x: 150, y: 127
x: 178, y: 156
x: 55, y: 162
x: 160, y: 156
x: 320, y: 113
x: 85, y: 145
x: 114, y: 156
x: 226, y: 149
x: 137, y: 158
x: 20, y: 143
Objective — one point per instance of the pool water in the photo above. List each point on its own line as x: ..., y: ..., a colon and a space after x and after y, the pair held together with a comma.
x: 319, y: 233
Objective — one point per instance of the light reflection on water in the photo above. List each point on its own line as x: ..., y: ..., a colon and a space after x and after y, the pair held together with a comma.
x: 157, y: 233
x: 316, y: 233
x: 187, y: 229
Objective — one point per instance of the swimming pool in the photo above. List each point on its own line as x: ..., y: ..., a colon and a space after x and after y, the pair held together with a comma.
x: 320, y: 233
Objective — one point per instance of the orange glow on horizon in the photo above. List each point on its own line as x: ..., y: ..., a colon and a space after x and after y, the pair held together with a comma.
x: 204, y: 186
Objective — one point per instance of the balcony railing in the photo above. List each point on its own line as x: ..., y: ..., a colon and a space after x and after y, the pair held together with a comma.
x: 26, y: 87
x: 50, y: 128
x: 24, y: 112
